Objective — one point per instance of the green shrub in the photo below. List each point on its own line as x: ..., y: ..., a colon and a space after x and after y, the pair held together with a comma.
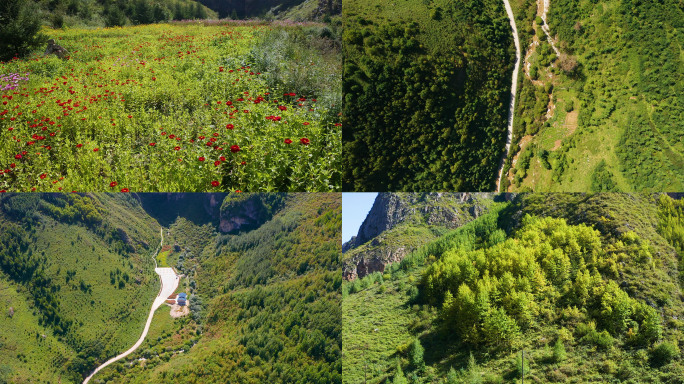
x: 664, y: 353
x: 19, y: 28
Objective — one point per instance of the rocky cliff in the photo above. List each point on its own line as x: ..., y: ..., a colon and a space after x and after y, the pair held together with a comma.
x: 401, y: 222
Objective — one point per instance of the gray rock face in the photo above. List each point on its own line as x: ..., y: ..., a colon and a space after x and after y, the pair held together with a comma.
x: 376, y: 244
x: 56, y: 49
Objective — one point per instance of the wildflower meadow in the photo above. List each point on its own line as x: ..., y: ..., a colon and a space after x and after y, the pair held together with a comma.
x: 175, y: 107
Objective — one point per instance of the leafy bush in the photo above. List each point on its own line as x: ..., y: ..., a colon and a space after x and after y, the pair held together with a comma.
x: 19, y: 28
x: 664, y: 353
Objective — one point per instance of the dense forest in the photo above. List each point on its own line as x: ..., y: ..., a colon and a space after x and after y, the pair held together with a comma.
x: 606, y: 114
x: 588, y: 286
x: 425, y: 85
x: 77, y: 278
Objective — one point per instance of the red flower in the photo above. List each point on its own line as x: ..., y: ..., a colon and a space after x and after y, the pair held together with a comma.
x: 230, y: 126
x: 153, y: 144
x: 217, y: 163
x: 17, y: 156
x: 304, y: 141
x: 282, y: 108
x: 113, y: 184
x: 79, y: 145
x: 125, y: 190
x: 42, y: 176
x: 130, y: 117
x: 154, y: 79
x: 243, y: 163
x: 288, y: 141
x: 306, y: 123
x: 176, y: 148
x: 201, y: 158
x: 222, y: 158
x: 96, y: 149
x: 235, y: 148
x: 12, y: 165
x: 215, y: 183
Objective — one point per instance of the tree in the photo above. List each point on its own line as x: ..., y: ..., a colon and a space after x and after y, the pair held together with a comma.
x: 399, y: 376
x: 19, y: 28
x: 559, y: 353
x: 452, y: 376
x: 473, y: 373
x: 416, y: 356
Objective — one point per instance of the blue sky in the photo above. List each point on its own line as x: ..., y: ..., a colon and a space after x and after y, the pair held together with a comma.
x: 355, y: 207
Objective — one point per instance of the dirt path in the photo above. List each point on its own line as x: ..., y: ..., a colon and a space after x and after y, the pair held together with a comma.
x: 514, y: 89
x: 169, y: 282
x: 545, y: 27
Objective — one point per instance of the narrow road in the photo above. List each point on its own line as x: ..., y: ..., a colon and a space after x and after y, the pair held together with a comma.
x: 514, y: 89
x: 169, y: 283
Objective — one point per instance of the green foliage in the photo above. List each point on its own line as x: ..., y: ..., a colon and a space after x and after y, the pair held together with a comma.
x: 503, y: 288
x: 559, y: 354
x: 76, y: 311
x: 420, y: 97
x: 664, y: 353
x: 142, y: 135
x: 19, y: 29
x: 639, y: 43
x: 592, y: 273
x: 416, y: 356
x: 399, y: 377
x: 602, y: 179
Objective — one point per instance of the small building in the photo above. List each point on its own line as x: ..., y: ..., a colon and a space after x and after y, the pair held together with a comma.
x: 181, y: 301
x: 183, y: 295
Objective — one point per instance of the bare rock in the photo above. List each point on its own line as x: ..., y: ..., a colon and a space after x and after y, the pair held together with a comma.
x: 56, y: 49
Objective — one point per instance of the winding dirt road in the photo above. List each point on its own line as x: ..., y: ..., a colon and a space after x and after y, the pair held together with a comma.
x: 169, y: 283
x: 514, y: 89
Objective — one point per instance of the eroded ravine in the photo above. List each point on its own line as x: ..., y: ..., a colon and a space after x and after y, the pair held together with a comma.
x: 514, y: 88
x: 169, y: 283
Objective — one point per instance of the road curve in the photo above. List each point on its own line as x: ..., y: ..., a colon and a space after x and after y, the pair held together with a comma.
x: 169, y: 283
x: 514, y: 89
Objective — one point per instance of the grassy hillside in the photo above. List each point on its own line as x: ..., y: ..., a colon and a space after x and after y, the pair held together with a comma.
x: 77, y: 275
x: 606, y: 115
x: 269, y: 302
x: 426, y: 85
x: 588, y: 286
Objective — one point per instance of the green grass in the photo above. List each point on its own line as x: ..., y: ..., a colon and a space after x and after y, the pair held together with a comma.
x: 375, y: 324
x: 162, y: 257
x: 24, y: 351
x: 627, y: 90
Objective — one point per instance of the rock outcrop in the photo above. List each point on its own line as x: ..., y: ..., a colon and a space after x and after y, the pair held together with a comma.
x: 56, y: 49
x: 398, y: 223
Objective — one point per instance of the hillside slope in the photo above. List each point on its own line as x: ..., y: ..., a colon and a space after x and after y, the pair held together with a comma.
x: 399, y: 223
x: 78, y: 279
x: 589, y: 286
x: 267, y: 299
x: 603, y: 113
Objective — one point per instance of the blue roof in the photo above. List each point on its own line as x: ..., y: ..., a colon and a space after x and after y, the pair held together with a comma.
x: 182, y: 294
